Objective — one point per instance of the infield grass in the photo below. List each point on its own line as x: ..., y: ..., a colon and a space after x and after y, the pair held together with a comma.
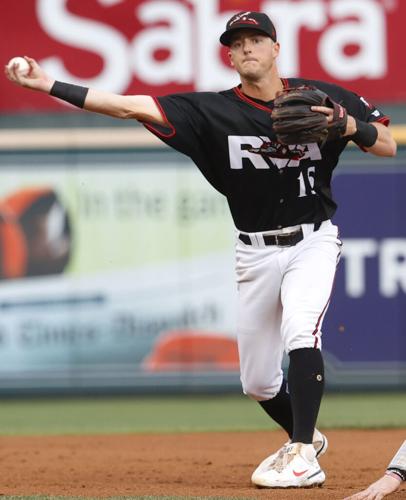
x: 186, y: 414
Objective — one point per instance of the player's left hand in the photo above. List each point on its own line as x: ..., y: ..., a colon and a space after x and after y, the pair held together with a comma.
x: 378, y: 490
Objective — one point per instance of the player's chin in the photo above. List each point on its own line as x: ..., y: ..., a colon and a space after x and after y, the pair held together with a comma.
x: 251, y: 75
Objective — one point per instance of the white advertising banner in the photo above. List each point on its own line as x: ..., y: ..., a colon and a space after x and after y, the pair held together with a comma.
x: 139, y: 275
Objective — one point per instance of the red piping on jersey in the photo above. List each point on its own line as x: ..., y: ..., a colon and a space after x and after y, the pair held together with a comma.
x: 384, y: 120
x: 245, y: 98
x: 167, y: 123
x: 285, y: 83
x: 323, y: 312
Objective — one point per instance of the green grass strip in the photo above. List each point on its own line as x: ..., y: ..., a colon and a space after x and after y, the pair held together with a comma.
x: 186, y: 414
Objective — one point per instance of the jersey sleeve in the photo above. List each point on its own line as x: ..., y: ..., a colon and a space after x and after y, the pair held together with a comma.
x: 398, y: 462
x: 357, y: 106
x: 360, y: 108
x: 183, y: 122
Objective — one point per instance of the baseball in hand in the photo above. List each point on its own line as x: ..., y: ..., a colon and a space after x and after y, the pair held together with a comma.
x: 22, y: 65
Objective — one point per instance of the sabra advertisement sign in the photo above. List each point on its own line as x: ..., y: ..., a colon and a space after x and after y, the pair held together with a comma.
x: 163, y: 46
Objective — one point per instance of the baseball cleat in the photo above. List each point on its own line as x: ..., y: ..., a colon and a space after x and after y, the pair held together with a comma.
x: 320, y: 444
x: 296, y: 467
x: 267, y: 464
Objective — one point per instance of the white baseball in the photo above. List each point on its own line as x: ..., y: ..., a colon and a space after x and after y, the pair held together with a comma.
x: 22, y: 66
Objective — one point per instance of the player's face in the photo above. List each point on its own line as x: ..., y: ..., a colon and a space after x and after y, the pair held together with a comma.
x: 252, y: 54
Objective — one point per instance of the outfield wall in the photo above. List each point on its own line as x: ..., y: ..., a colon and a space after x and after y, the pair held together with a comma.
x: 119, y: 274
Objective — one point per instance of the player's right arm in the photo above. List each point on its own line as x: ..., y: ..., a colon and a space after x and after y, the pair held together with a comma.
x: 139, y: 107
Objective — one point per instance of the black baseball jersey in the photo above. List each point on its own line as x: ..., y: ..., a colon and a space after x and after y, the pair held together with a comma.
x: 230, y: 137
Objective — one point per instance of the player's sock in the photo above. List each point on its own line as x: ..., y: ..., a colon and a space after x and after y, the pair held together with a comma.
x: 279, y: 409
x: 306, y: 385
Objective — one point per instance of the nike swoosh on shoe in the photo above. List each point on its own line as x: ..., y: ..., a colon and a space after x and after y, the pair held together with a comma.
x: 298, y: 474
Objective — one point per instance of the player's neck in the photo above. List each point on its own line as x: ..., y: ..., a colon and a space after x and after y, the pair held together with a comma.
x: 265, y: 89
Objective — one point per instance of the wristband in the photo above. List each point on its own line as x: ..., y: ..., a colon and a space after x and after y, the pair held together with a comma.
x: 75, y: 94
x: 396, y: 473
x: 366, y: 134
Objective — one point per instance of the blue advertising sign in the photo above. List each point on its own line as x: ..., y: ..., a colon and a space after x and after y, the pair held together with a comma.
x: 366, y: 322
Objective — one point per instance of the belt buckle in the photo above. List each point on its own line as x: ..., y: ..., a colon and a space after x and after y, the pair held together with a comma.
x: 279, y: 240
x: 285, y: 240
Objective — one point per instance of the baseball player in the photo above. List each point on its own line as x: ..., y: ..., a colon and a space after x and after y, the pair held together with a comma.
x: 280, y: 199
x: 390, y: 482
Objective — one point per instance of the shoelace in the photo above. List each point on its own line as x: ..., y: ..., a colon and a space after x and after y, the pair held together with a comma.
x: 284, y: 458
x: 279, y: 456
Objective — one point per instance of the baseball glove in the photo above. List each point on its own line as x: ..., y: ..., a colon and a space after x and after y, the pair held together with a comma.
x: 295, y: 123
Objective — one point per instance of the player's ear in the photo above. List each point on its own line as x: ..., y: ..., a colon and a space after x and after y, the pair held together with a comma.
x: 230, y: 56
x: 275, y: 49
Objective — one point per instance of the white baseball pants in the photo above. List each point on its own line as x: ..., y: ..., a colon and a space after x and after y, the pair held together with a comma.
x: 283, y: 295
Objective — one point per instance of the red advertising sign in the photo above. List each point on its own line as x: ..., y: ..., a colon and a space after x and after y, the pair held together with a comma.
x: 163, y: 46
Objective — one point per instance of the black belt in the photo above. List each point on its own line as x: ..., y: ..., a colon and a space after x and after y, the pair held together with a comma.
x: 281, y: 240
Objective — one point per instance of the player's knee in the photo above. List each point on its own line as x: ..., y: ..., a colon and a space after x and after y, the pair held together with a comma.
x: 261, y: 392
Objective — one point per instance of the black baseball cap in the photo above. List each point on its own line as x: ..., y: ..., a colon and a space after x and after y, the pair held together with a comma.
x: 248, y: 20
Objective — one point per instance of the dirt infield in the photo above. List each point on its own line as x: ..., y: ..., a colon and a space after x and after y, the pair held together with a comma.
x: 199, y: 464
